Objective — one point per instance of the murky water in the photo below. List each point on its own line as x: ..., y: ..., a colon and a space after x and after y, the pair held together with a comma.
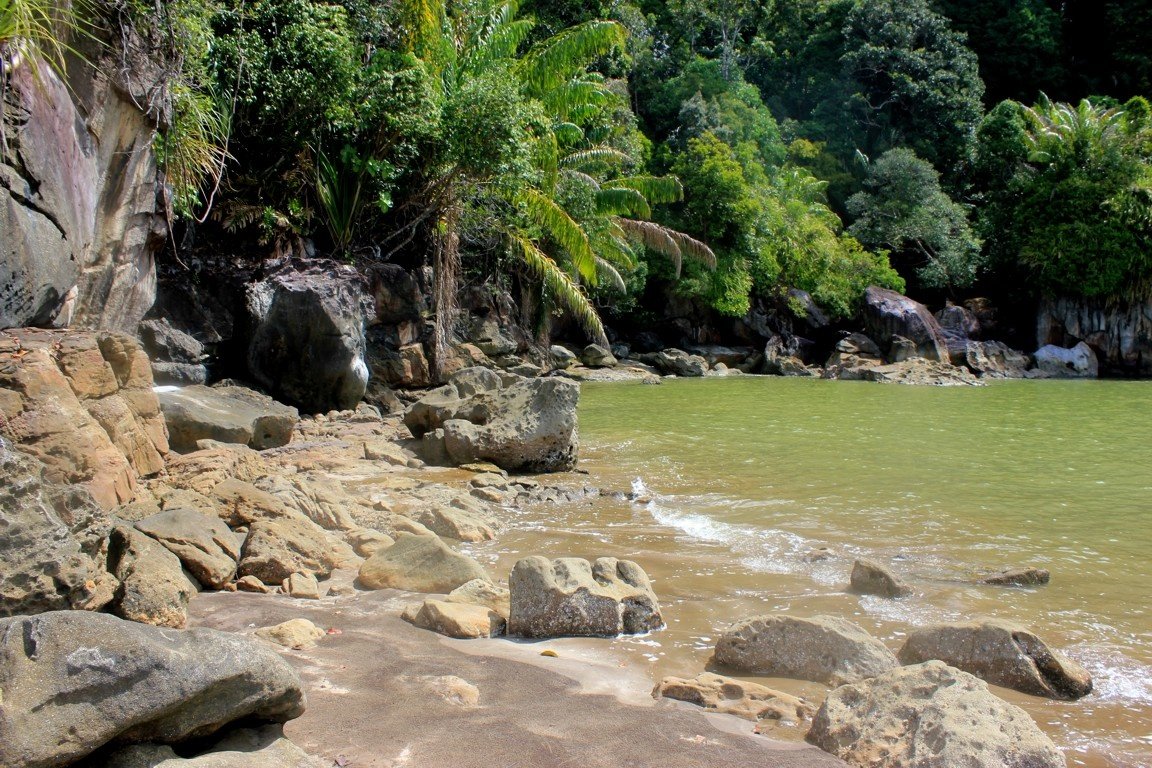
x: 747, y: 475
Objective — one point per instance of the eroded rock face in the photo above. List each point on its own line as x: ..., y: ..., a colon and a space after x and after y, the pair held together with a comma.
x: 750, y: 701
x: 74, y: 681
x: 463, y: 621
x: 570, y: 597
x: 888, y: 314
x: 307, y: 345
x: 1000, y: 652
x: 929, y: 716
x: 50, y: 542
x: 226, y: 415
x: 824, y: 649
x: 1079, y: 362
x: 244, y: 748
x: 276, y: 549
x: 419, y: 564
x: 1120, y: 332
x: 526, y: 425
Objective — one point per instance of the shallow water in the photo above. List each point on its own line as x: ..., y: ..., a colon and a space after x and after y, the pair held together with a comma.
x: 747, y: 475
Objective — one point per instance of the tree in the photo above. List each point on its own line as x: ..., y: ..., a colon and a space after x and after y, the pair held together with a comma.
x: 903, y: 209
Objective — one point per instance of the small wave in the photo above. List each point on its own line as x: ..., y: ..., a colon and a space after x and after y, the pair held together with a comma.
x: 1115, y: 676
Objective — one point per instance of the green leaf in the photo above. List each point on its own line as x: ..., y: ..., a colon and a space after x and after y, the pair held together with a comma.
x: 560, y: 286
x: 549, y: 216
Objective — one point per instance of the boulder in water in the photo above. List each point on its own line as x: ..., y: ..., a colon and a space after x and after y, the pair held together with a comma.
x: 871, y: 578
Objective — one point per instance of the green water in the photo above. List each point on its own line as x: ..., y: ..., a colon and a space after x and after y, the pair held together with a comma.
x: 747, y: 475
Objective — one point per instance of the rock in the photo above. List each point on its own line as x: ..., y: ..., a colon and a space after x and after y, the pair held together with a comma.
x: 1002, y: 653
x: 562, y: 357
x: 454, y: 690
x: 888, y: 314
x: 419, y: 564
x: 994, y: 360
x: 528, y: 425
x: 226, y: 415
x: 275, y: 549
x: 252, y: 584
x: 83, y: 404
x: 929, y: 715
x: 485, y: 593
x: 677, y: 362
x: 916, y: 371
x: 596, y: 356
x: 204, y: 544
x: 153, y: 587
x: 366, y: 542
x: 871, y: 578
x: 781, y: 358
x: 1079, y: 362
x: 859, y: 345
x: 959, y: 321
x: 308, y: 343
x: 750, y: 701
x: 243, y: 748
x: 294, y: 633
x: 570, y: 597
x: 74, y: 681
x: 454, y: 524
x: 819, y: 555
x: 1018, y: 577
x: 303, y: 586
x: 823, y: 649
x: 177, y: 357
x: 1119, y: 332
x: 319, y: 497
x: 205, y: 469
x: 50, y: 541
x: 241, y: 503
x: 463, y: 621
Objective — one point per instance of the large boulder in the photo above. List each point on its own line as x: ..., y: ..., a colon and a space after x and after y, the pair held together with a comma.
x: 526, y: 425
x: 750, y: 701
x: 569, y: 596
x: 276, y: 549
x: 888, y: 314
x: 226, y: 415
x: 419, y: 563
x: 929, y: 716
x: 82, y: 402
x: 824, y: 649
x: 872, y: 578
x: 74, y: 681
x: 677, y: 362
x: 1002, y: 653
x: 153, y: 586
x: 994, y: 360
x: 177, y: 357
x: 204, y: 544
x: 307, y: 345
x: 50, y: 555
x: 1079, y: 362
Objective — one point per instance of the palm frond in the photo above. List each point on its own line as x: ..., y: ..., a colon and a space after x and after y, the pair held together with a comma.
x: 568, y: 133
x: 656, y: 189
x: 581, y: 177
x: 575, y: 97
x: 555, y: 221
x: 593, y: 156
x: 552, y: 62
x: 622, y: 201
x: 668, y: 242
x: 605, y: 270
x: 560, y: 286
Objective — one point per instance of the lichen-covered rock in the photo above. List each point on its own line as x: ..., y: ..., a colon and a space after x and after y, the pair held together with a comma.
x: 275, y: 549
x: 419, y: 564
x: 929, y: 716
x: 204, y: 544
x: 153, y: 586
x: 74, y: 681
x: 871, y: 578
x: 526, y: 425
x: 50, y: 555
x: 570, y: 597
x: 750, y: 701
x: 824, y: 649
x: 226, y: 415
x: 1002, y: 653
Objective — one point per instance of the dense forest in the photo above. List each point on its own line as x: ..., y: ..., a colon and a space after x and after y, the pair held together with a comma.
x: 598, y: 158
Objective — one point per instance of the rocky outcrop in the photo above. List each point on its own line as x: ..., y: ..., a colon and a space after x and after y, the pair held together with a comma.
x: 153, y: 586
x: 570, y: 597
x: 929, y: 715
x: 177, y: 357
x: 82, y: 403
x: 1119, y: 332
x: 226, y: 415
x: 276, y: 549
x: 824, y: 649
x: 419, y: 564
x: 677, y: 362
x: 888, y: 314
x: 74, y: 681
x: 994, y: 360
x: 750, y: 701
x: 51, y: 553
x: 1055, y: 362
x: 871, y: 578
x: 80, y: 197
x: 307, y: 345
x: 204, y: 544
x: 1000, y: 652
x: 526, y: 425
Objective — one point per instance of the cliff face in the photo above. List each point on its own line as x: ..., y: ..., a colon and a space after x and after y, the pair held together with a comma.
x: 1119, y: 333
x: 80, y: 213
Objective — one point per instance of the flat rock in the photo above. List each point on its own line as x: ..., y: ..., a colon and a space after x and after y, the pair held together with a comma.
x: 294, y: 633
x: 871, y: 578
x: 419, y: 564
x: 750, y: 701
x: 571, y: 597
x: 929, y: 716
x: 276, y: 549
x: 153, y: 586
x: 1002, y: 653
x: 204, y: 544
x: 824, y: 649
x: 74, y: 681
x: 455, y: 619
x: 227, y: 415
